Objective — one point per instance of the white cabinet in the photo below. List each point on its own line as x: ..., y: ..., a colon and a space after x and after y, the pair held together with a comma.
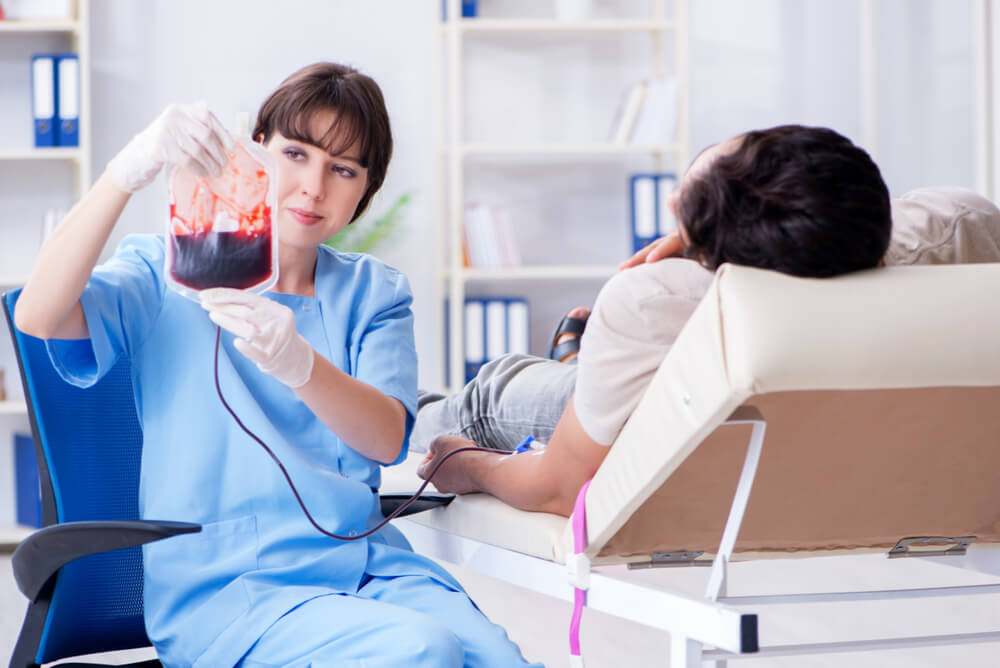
x: 33, y: 180
x: 526, y: 105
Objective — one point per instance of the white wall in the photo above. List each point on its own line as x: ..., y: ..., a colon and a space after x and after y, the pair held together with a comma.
x: 767, y: 62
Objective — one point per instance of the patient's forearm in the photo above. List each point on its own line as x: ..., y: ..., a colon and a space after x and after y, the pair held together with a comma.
x: 525, y: 481
x: 542, y: 480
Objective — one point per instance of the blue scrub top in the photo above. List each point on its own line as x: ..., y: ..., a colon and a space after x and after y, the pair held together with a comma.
x: 209, y: 596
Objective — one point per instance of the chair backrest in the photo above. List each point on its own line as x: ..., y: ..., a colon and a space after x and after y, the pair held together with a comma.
x: 880, y: 391
x: 88, y: 445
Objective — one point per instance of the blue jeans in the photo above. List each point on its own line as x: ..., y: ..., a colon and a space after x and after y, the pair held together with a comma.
x: 511, y: 397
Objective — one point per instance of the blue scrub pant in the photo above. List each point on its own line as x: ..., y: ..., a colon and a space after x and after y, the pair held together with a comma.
x: 412, y: 621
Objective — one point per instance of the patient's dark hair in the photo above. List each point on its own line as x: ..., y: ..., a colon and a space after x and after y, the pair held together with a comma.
x: 361, y: 116
x: 799, y: 200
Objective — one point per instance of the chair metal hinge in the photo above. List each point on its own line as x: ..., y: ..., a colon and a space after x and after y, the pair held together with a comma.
x: 931, y: 546
x: 671, y: 560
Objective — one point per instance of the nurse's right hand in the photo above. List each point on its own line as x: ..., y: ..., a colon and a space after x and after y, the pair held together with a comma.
x: 188, y: 135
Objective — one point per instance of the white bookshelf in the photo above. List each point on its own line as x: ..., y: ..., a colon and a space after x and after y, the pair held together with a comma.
x: 537, y: 273
x: 477, y: 25
x: 457, y: 154
x: 22, y: 38
x: 11, y: 536
x: 54, y: 153
x: 77, y: 34
x: 594, y: 150
x: 69, y: 26
x: 13, y: 408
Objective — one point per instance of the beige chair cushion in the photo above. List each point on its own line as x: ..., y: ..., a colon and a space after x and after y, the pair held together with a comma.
x: 877, y: 388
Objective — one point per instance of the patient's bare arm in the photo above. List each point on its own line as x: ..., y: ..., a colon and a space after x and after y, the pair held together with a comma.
x: 546, y: 480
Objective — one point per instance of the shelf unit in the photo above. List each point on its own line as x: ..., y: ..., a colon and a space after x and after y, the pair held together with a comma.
x: 76, y: 34
x: 11, y: 536
x: 454, y: 152
x: 13, y: 408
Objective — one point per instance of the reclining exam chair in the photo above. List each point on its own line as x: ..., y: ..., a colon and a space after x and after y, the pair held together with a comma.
x: 793, y: 417
x: 82, y: 572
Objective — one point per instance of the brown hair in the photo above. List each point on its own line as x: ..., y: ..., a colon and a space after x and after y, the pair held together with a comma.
x: 361, y: 117
x: 800, y: 200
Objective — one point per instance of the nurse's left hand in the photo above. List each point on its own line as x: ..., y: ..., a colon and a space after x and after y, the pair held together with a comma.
x: 265, y: 332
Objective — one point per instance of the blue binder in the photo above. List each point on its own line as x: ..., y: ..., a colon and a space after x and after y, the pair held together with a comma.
x: 475, y: 336
x: 43, y: 98
x: 494, y: 326
x: 67, y: 99
x: 468, y: 9
x: 28, y: 494
x: 650, y: 219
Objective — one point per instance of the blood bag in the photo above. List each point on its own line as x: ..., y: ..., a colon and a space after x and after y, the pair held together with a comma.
x: 221, y: 232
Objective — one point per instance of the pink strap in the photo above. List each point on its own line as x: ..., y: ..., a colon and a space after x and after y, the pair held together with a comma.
x: 579, y: 520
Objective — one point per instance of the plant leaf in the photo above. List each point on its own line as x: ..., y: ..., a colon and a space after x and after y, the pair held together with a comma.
x: 365, y: 235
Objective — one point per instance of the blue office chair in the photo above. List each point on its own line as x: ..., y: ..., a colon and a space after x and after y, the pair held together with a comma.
x: 82, y: 572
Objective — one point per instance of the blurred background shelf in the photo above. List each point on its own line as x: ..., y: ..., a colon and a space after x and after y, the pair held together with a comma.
x: 552, y: 172
x: 11, y: 535
x: 40, y: 27
x: 596, y: 150
x: 13, y: 408
x: 556, y: 25
x: 40, y: 154
x: 538, y: 272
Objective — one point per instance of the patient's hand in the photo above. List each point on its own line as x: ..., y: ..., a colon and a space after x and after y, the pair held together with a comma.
x: 666, y: 246
x: 454, y: 476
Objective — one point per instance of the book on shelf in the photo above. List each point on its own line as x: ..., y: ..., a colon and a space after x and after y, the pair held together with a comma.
x: 647, y: 114
x: 489, y: 241
x: 628, y: 112
x: 657, y: 120
x: 649, y: 207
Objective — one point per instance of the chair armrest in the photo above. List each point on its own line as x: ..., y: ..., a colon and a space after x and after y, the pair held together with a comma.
x: 426, y: 501
x: 40, y: 556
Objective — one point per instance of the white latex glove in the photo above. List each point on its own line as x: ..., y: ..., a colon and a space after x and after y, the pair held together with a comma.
x: 188, y: 135
x: 265, y: 332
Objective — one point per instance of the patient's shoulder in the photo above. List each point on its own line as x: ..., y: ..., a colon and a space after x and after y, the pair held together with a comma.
x: 943, y: 226
x: 652, y: 301
x: 673, y: 277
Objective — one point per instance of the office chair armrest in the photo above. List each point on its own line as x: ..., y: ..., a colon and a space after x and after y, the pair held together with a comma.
x: 426, y: 501
x: 40, y: 556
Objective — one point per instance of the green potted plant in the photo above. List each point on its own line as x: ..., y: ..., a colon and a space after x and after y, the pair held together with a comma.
x: 368, y: 233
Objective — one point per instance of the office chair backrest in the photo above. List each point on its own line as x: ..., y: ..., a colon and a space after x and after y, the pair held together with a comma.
x: 88, y: 445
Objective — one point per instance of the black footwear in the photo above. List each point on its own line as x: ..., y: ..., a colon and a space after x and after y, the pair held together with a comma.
x: 569, y: 345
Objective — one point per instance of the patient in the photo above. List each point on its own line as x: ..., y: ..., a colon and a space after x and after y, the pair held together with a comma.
x: 803, y: 201
x: 517, y: 394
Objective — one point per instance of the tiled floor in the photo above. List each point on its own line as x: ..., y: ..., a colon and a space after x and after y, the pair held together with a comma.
x: 539, y: 623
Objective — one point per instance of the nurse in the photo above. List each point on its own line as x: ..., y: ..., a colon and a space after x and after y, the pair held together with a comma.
x: 322, y: 369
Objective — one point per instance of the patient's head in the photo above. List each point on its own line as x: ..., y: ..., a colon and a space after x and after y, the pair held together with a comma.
x: 800, y: 200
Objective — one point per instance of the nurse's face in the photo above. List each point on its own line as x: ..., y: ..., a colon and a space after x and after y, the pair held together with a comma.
x: 317, y: 192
